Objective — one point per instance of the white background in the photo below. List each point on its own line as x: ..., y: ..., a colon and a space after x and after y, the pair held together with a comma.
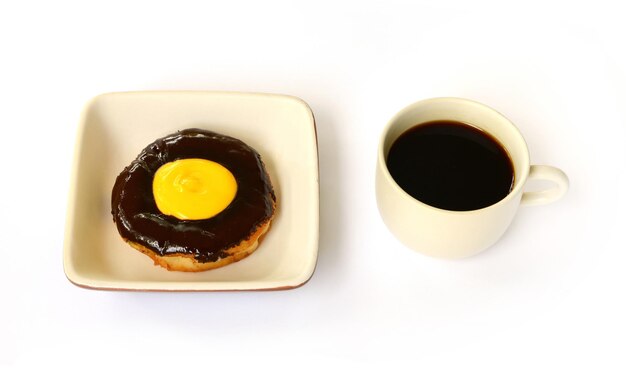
x: 546, y: 302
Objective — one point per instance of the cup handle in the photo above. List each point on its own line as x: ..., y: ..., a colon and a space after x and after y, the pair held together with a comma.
x: 552, y: 194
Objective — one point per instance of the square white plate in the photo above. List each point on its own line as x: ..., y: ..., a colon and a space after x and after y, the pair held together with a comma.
x: 116, y: 127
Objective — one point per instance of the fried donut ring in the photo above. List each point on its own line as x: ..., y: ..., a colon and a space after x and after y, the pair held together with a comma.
x: 194, y: 245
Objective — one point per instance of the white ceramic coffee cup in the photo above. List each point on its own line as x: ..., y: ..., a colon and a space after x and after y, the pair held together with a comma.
x: 457, y: 234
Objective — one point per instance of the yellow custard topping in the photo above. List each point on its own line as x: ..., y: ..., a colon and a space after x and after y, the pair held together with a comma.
x: 193, y: 188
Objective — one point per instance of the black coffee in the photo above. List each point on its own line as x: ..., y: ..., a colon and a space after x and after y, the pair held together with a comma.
x: 451, y: 165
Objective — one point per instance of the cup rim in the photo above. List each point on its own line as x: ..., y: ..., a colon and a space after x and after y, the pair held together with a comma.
x: 519, y: 180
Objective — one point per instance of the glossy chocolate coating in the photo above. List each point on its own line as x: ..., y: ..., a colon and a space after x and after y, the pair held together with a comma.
x: 139, y: 220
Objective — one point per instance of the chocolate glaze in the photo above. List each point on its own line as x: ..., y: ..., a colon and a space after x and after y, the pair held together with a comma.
x: 139, y: 220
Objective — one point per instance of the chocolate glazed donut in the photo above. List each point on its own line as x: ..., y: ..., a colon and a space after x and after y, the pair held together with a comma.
x: 139, y: 220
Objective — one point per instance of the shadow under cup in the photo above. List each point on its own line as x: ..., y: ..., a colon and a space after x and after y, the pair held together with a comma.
x: 439, y: 232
